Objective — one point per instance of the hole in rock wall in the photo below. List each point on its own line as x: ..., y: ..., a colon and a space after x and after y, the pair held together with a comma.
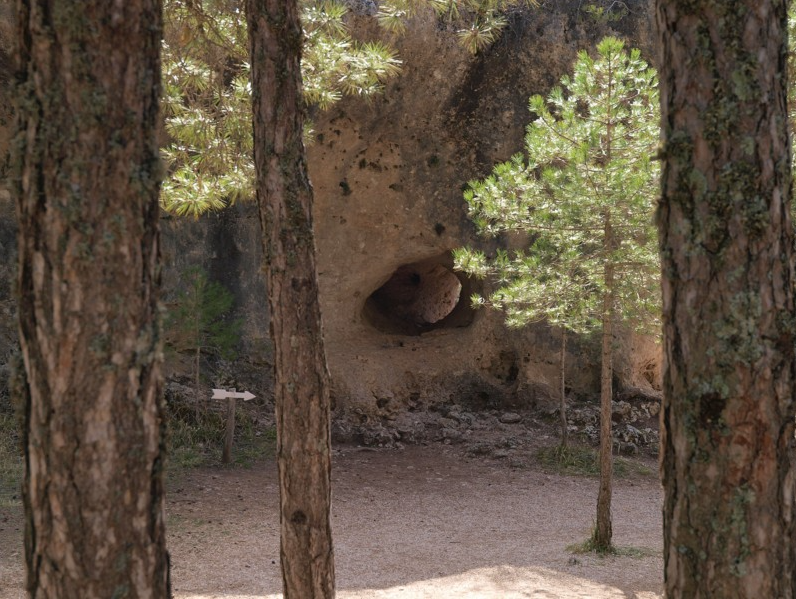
x: 420, y: 297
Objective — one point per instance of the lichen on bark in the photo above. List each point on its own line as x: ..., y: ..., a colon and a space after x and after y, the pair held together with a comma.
x: 87, y: 180
x: 726, y: 246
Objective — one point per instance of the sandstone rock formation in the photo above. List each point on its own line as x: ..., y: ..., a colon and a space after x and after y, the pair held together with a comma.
x: 388, y: 175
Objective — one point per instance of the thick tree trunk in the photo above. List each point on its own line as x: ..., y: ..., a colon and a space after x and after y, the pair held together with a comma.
x: 728, y: 306
x: 88, y: 169
x: 603, y: 532
x: 284, y: 196
x: 562, y: 390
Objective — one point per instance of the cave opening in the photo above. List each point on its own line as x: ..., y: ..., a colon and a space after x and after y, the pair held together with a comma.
x: 420, y: 297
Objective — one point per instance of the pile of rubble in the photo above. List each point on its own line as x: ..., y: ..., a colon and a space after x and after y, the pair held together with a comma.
x: 635, y: 426
x: 446, y: 423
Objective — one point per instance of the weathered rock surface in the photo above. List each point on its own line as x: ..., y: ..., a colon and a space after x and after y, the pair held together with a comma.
x: 388, y: 175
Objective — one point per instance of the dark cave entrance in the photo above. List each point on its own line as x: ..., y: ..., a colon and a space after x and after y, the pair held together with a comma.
x: 420, y: 297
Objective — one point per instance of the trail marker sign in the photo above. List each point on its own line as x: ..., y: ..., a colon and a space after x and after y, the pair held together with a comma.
x: 230, y: 396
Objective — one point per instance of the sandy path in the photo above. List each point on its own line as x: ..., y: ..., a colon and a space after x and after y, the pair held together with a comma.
x: 422, y: 523
x: 417, y: 523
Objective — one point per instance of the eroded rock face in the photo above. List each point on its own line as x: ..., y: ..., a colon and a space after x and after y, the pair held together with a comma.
x: 421, y: 297
x: 388, y: 175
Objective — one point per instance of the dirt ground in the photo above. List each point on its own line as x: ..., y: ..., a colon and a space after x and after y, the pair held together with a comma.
x: 421, y: 522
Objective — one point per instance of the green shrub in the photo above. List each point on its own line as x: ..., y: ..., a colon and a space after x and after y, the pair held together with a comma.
x: 195, y: 439
x: 11, y: 463
x: 584, y: 461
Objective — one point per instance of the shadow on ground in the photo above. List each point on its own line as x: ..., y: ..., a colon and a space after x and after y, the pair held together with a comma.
x: 421, y: 522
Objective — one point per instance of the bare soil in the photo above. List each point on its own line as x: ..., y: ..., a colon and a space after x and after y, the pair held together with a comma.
x: 420, y: 522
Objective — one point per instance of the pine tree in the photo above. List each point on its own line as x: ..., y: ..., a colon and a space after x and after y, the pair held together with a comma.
x: 585, y: 191
x: 480, y: 21
x: 199, y: 321
x: 207, y: 94
x: 301, y: 379
x: 207, y: 99
x: 87, y: 174
x: 729, y: 319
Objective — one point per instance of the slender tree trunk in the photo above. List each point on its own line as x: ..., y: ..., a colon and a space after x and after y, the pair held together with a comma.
x: 603, y: 532
x: 284, y: 196
x: 563, y: 409
x: 196, y: 363
x: 729, y: 321
x: 87, y: 166
x: 197, y: 300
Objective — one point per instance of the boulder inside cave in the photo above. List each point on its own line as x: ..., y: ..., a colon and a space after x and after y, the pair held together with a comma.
x: 420, y: 297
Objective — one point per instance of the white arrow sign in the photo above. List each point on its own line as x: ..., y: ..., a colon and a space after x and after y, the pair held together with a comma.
x: 224, y: 394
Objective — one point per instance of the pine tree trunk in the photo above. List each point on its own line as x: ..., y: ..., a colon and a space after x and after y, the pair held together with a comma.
x: 729, y: 321
x: 88, y: 167
x: 563, y: 408
x: 284, y: 196
x: 197, y: 357
x: 603, y: 532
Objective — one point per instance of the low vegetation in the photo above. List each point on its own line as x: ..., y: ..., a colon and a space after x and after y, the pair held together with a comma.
x: 588, y: 546
x: 11, y: 465
x: 575, y: 460
x: 196, y: 439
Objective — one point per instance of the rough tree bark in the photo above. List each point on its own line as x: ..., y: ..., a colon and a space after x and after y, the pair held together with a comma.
x: 562, y: 390
x: 284, y: 196
x: 726, y: 245
x: 87, y: 169
x: 603, y: 532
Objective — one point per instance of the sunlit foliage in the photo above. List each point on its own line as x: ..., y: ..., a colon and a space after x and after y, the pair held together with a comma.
x: 584, y: 192
x: 207, y: 95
